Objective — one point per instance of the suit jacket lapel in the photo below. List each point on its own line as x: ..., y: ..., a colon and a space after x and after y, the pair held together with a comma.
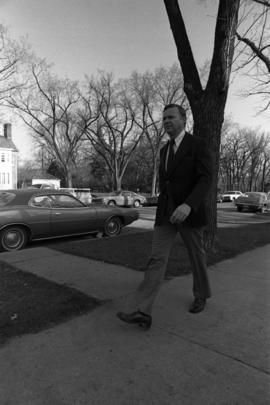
x: 163, y: 157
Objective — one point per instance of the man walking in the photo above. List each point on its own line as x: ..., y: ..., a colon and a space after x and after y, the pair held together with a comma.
x: 185, y: 175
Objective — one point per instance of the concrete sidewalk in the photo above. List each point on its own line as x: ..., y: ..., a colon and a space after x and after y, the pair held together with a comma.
x: 220, y: 356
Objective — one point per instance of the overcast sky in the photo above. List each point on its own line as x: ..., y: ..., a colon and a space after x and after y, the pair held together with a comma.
x: 82, y: 36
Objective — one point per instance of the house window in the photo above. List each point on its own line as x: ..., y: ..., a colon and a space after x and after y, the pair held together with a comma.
x: 2, y: 157
x: 8, y: 178
x: 3, y: 178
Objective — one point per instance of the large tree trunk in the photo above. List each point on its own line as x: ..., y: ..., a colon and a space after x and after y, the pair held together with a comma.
x: 69, y: 179
x: 154, y: 178
x: 117, y: 180
x: 207, y: 104
x: 207, y: 124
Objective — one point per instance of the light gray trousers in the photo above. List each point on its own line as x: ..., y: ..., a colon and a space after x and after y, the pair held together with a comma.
x: 163, y: 237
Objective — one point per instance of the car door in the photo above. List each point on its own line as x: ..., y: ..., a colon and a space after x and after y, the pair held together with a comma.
x: 127, y: 198
x: 38, y: 215
x: 120, y: 199
x: 70, y: 216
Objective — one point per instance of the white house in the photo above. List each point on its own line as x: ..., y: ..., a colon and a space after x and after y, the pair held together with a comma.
x: 8, y: 159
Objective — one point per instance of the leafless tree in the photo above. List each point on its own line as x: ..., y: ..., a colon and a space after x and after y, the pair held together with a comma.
x: 115, y: 134
x: 152, y: 91
x: 48, y: 106
x: 252, y: 52
x: 256, y: 144
x: 234, y: 156
x: 244, y: 159
x: 265, y: 168
x: 207, y: 103
x: 11, y: 56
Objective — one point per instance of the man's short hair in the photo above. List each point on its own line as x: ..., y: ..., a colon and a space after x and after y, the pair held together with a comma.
x: 181, y: 110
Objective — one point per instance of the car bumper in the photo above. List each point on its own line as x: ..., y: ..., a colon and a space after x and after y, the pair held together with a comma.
x: 226, y: 199
x: 251, y: 206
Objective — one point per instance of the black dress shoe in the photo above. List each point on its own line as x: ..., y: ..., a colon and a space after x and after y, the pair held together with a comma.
x: 137, y: 317
x: 197, y: 305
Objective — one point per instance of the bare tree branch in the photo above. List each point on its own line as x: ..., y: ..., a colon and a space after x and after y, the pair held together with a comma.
x: 185, y: 55
x: 257, y: 51
x: 263, y: 2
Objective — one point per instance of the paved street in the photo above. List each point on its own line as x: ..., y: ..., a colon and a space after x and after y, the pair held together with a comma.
x: 227, y: 215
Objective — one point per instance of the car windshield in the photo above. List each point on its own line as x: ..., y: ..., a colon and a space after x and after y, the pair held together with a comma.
x: 6, y: 197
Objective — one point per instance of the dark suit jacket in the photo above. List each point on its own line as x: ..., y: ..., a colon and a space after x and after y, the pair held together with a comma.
x: 188, y: 181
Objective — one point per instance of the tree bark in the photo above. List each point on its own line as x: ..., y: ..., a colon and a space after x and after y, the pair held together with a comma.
x: 207, y: 104
x: 154, y: 178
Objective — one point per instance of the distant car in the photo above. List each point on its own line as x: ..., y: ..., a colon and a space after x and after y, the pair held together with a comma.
x: 151, y: 201
x: 219, y: 198
x: 253, y: 201
x: 34, y: 214
x: 83, y: 194
x: 229, y: 196
x: 122, y: 198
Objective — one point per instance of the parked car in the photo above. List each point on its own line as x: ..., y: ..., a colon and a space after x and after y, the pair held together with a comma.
x: 34, y: 214
x: 253, y: 201
x: 229, y: 196
x: 83, y: 194
x: 122, y: 198
x: 151, y: 201
x: 219, y: 198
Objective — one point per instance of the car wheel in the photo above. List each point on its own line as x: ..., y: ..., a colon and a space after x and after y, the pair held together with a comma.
x: 239, y: 208
x: 136, y: 203
x: 13, y: 238
x: 112, y: 226
x: 112, y: 203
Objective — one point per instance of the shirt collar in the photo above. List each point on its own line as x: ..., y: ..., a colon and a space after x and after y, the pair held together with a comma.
x: 179, y: 138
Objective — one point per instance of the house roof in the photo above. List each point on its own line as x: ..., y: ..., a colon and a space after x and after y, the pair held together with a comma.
x: 7, y: 143
x: 40, y: 174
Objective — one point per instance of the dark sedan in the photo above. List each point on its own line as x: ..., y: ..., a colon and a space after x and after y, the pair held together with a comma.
x: 32, y: 214
x: 253, y: 201
x: 151, y: 201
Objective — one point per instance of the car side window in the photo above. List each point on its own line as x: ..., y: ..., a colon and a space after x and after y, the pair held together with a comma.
x: 65, y: 201
x: 41, y: 201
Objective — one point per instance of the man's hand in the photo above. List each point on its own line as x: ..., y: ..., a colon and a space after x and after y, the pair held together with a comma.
x: 180, y: 214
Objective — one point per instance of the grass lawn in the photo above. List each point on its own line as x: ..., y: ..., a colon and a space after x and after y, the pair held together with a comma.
x: 29, y: 303
x: 132, y: 250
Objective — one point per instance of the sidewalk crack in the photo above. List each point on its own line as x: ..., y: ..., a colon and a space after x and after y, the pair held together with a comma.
x: 216, y: 351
